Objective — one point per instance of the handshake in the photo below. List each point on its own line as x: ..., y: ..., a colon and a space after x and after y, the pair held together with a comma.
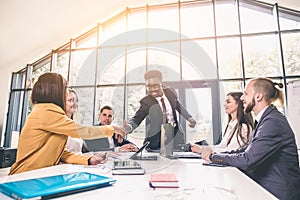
x: 121, y: 128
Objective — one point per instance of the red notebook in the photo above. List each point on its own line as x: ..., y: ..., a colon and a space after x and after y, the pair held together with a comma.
x: 163, y: 181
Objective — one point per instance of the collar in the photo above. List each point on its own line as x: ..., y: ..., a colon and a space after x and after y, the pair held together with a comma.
x: 259, y: 115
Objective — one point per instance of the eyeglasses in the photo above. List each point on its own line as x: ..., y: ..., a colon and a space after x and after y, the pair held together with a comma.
x: 73, y: 100
x: 153, y: 86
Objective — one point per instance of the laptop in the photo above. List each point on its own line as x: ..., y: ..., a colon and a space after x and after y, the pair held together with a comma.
x: 183, y: 154
x: 138, y: 155
x: 55, y: 186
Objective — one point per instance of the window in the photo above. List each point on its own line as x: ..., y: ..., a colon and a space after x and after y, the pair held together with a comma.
x: 204, y: 49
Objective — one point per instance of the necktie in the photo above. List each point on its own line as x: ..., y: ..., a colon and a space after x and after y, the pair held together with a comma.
x: 164, y: 111
x: 255, y: 124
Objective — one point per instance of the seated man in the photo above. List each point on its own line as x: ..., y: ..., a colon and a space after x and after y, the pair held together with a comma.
x: 105, y: 118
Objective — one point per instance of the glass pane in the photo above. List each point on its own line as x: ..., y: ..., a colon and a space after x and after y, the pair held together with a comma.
x: 201, y: 15
x: 40, y: 69
x: 137, y: 19
x: 230, y: 86
x: 19, y: 80
x: 288, y: 20
x: 111, y: 96
x: 229, y: 57
x: 198, y: 104
x: 110, y: 32
x: 135, y: 93
x: 62, y: 63
x: 84, y: 114
x: 110, y: 61
x: 291, y: 53
x: 165, y: 58
x: 257, y: 19
x: 163, y: 18
x: 136, y: 66
x: 197, y: 63
x: 261, y: 56
x: 86, y: 41
x: 226, y: 18
x: 83, y: 67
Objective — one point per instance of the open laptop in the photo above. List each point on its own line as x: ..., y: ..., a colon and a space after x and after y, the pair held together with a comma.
x: 138, y: 155
x: 55, y: 186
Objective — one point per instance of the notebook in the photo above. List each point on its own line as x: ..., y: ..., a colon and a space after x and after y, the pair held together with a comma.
x: 55, y: 186
x: 136, y: 155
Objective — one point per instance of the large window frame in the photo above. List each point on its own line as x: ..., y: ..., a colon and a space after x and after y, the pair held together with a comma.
x: 62, y: 59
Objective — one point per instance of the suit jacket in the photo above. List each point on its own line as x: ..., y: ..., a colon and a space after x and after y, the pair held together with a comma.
x: 151, y: 110
x: 271, y: 157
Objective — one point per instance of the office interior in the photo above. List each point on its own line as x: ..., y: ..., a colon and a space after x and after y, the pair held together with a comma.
x: 204, y: 49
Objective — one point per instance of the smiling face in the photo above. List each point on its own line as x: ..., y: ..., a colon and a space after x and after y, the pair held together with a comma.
x: 154, y: 87
x: 231, y: 106
x: 71, y: 104
x: 248, y: 98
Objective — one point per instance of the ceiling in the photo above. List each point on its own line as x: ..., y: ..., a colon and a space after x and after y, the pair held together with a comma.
x: 30, y: 29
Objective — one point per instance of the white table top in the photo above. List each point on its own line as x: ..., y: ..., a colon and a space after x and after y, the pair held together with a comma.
x: 195, y: 180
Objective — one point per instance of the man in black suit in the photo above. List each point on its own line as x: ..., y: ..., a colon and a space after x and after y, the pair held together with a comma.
x: 271, y: 157
x: 159, y: 106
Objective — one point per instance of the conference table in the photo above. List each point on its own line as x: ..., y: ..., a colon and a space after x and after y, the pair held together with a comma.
x: 196, y: 181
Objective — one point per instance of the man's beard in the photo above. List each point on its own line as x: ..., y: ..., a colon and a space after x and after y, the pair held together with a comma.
x: 250, y: 106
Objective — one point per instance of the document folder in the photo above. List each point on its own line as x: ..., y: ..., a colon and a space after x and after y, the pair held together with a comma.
x: 55, y: 186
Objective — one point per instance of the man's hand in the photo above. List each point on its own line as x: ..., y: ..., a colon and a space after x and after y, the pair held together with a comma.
x: 128, y: 147
x: 120, y: 133
x: 192, y: 122
x: 196, y: 148
x: 206, y: 152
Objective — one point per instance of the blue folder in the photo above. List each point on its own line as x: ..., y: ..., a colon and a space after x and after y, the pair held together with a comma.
x: 55, y: 186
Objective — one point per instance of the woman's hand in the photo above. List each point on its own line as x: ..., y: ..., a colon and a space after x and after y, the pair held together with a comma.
x: 98, y: 158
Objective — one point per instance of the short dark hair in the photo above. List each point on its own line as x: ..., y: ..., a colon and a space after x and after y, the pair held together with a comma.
x: 153, y: 74
x: 50, y: 88
x: 105, y: 108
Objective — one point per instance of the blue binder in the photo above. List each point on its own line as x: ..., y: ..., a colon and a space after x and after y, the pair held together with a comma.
x: 55, y: 186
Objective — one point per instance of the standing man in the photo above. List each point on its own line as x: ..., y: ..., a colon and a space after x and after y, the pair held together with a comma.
x: 271, y: 157
x: 106, y: 117
x: 159, y: 106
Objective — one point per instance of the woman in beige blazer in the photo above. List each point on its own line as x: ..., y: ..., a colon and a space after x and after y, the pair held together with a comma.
x: 44, y: 135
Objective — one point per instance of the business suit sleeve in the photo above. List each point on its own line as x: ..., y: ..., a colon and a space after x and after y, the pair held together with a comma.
x: 266, y: 142
x: 140, y: 114
x: 178, y: 105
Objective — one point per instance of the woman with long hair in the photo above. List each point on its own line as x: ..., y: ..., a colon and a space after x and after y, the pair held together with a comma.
x: 238, y: 128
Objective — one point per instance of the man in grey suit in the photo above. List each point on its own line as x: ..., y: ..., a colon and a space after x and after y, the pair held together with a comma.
x: 271, y: 157
x: 159, y: 106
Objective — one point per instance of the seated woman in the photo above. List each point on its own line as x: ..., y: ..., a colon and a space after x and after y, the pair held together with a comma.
x: 238, y: 128
x: 44, y: 136
x: 73, y: 144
